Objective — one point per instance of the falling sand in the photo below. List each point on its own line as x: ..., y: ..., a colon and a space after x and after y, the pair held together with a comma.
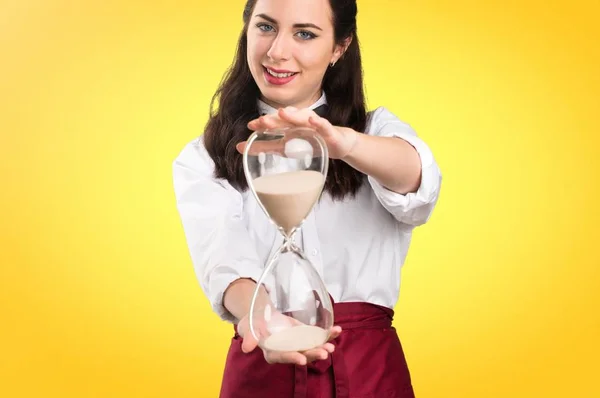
x: 289, y: 197
x: 299, y: 338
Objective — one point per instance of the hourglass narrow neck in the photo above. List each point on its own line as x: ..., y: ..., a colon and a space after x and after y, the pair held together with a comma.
x: 288, y: 239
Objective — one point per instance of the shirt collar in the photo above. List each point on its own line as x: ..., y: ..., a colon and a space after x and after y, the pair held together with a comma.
x: 265, y: 109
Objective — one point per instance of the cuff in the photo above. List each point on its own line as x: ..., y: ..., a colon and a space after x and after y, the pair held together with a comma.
x: 413, y: 208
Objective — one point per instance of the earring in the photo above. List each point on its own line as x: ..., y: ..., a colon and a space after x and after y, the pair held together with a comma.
x: 333, y: 64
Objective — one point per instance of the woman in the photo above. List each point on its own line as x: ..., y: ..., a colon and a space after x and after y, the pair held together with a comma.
x: 298, y: 63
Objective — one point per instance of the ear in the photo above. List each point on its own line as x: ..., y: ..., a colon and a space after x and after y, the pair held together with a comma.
x: 340, y: 49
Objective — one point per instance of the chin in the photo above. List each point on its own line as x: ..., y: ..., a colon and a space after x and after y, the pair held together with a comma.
x: 278, y: 96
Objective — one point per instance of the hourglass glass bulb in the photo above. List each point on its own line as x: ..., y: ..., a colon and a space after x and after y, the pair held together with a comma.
x: 298, y: 314
x: 286, y: 171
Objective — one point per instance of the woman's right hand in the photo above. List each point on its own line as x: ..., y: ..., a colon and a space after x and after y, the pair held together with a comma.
x: 249, y: 343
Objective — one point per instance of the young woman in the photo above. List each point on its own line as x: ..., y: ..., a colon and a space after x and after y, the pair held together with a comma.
x: 298, y: 63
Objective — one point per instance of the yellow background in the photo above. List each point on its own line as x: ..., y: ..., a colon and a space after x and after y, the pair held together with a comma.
x: 98, y: 297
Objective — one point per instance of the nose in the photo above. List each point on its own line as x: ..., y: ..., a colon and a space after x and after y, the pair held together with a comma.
x: 279, y: 50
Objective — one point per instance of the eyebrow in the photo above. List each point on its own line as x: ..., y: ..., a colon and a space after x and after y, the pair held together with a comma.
x: 297, y: 25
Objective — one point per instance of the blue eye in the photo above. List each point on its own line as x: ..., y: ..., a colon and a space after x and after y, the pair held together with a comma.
x: 306, y: 35
x: 264, y: 27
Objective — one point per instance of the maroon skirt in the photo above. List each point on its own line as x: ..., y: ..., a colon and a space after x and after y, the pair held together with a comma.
x: 368, y: 362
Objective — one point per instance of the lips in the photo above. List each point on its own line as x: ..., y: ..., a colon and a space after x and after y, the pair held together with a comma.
x: 278, y: 77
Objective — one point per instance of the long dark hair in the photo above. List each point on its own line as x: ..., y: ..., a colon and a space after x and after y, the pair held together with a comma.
x: 237, y: 97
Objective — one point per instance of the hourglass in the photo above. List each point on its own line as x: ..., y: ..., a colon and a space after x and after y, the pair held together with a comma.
x: 286, y: 170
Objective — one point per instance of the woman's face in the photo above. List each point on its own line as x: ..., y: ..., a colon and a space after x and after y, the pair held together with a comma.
x: 290, y: 46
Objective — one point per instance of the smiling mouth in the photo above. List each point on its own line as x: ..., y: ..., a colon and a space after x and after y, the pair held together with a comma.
x: 279, y: 75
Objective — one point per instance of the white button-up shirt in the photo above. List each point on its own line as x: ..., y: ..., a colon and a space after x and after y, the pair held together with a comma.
x: 357, y: 245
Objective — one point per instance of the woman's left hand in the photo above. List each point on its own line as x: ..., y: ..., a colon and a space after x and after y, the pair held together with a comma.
x: 339, y: 140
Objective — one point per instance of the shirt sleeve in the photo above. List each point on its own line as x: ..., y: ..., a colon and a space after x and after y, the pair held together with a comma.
x: 211, y: 212
x: 414, y: 208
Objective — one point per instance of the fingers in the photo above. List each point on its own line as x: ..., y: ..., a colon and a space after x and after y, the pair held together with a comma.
x: 285, y: 357
x: 267, y: 122
x: 249, y: 343
x: 267, y: 147
x: 276, y: 147
x: 300, y: 358
x: 308, y: 118
x: 241, y: 147
x: 335, y: 332
x: 285, y: 117
x: 295, y: 117
x: 322, y: 126
x: 292, y: 117
x: 330, y: 348
x: 303, y: 358
x: 319, y: 353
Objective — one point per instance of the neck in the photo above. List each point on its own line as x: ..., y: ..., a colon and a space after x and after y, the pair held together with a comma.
x: 300, y: 105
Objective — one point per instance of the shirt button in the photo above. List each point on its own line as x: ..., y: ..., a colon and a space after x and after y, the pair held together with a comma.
x: 314, y: 252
